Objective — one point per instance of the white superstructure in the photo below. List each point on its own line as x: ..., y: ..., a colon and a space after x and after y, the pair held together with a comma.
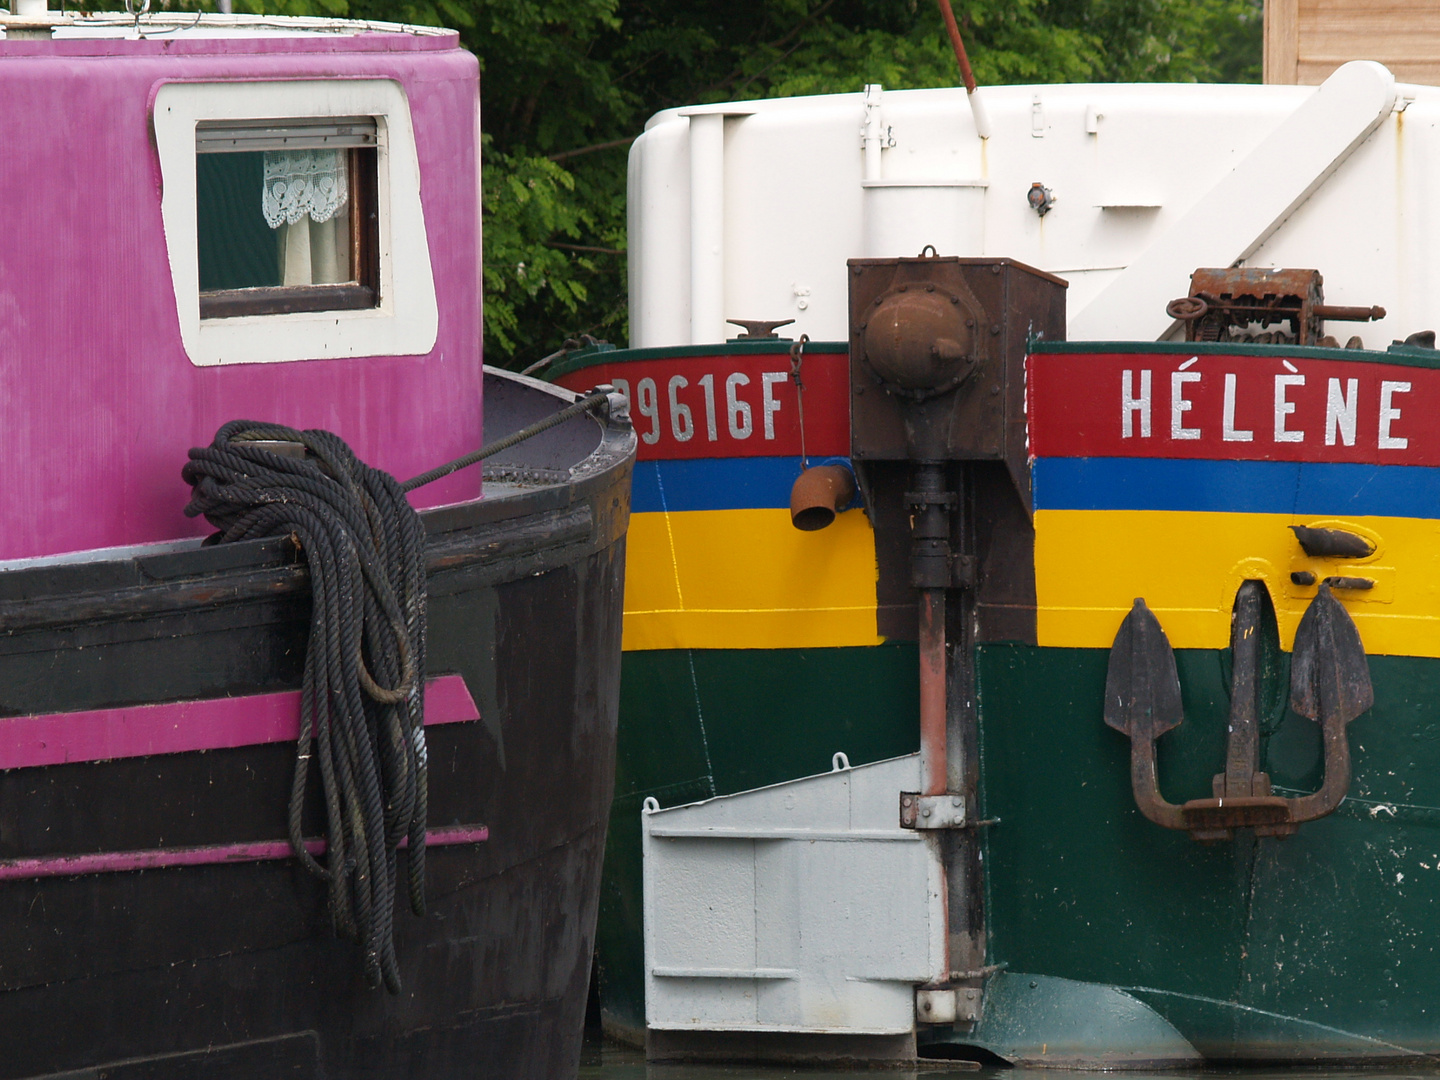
x: 752, y: 209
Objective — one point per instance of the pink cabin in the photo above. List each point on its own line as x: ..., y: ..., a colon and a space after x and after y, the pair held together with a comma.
x: 274, y: 222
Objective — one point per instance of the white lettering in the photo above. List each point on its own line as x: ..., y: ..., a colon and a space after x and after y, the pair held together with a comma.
x: 1130, y: 405
x: 678, y: 413
x: 1179, y: 406
x: 1389, y: 414
x: 1284, y: 408
x: 769, y: 405
x: 1340, y: 411
x: 739, y: 411
x: 1229, y: 433
x: 650, y: 408
x: 707, y: 383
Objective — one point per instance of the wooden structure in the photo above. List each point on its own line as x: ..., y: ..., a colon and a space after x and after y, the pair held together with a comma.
x: 1306, y: 40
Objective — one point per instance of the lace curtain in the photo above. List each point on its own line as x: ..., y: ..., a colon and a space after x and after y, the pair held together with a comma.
x: 303, y: 182
x: 304, y: 191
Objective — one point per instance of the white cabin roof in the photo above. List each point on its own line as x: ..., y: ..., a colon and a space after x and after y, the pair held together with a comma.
x: 1150, y: 181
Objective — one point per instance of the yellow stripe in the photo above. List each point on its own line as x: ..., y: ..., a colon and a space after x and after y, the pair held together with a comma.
x: 1091, y: 564
x: 748, y: 579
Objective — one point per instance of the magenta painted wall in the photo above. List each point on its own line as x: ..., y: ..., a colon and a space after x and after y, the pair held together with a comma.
x: 98, y: 401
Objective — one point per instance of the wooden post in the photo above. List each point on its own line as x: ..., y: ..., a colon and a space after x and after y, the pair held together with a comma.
x: 1282, y: 41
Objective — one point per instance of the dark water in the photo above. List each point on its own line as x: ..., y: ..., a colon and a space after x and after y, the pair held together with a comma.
x: 606, y: 1062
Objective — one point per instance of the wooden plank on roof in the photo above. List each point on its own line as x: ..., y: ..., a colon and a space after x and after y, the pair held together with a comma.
x: 1306, y: 40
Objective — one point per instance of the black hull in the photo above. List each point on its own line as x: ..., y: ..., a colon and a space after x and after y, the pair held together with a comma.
x: 231, y: 969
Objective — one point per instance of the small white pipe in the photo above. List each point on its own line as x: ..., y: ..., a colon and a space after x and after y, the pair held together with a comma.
x: 977, y: 109
x: 29, y: 9
x: 707, y: 229
x: 872, y: 135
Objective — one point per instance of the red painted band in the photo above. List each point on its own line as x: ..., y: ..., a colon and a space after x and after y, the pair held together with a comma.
x: 726, y: 406
x: 113, y: 862
x: 1242, y: 408
x: 179, y: 727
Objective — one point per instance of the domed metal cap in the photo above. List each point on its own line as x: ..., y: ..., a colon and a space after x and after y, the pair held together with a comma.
x: 919, y: 338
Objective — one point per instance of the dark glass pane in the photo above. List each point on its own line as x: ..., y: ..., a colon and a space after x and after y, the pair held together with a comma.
x: 238, y: 250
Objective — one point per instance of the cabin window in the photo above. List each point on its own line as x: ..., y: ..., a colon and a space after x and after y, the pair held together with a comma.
x: 286, y: 215
x: 350, y: 276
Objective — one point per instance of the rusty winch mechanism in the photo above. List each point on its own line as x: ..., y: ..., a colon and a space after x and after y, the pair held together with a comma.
x: 1242, y: 305
x: 937, y: 353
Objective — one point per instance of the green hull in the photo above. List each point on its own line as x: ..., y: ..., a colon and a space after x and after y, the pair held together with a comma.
x: 703, y: 722
x: 1317, y: 946
x: 1117, y: 935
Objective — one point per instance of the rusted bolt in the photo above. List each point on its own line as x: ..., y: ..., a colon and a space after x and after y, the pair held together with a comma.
x: 995, y: 329
x: 925, y: 812
x: 954, y: 802
x: 994, y: 390
x: 969, y: 995
x: 994, y: 268
x: 902, y: 288
x: 879, y: 300
x: 857, y: 270
x: 929, y: 288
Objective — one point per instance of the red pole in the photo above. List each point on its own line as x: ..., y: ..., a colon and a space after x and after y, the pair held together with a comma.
x: 958, y: 44
x: 933, y: 710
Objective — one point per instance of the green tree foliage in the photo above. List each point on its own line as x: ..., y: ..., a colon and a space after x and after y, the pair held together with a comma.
x: 568, y: 83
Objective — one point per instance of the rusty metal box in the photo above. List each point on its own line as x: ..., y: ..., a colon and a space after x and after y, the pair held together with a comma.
x: 995, y: 306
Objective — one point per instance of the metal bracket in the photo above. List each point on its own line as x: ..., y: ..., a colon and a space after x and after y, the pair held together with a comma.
x: 958, y: 1006
x: 931, y: 811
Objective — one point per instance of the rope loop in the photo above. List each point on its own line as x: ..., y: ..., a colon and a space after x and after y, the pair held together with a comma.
x: 362, y: 700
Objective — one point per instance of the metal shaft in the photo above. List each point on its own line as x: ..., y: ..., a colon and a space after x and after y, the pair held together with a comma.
x: 930, y: 555
x: 1242, y: 757
x: 934, y: 714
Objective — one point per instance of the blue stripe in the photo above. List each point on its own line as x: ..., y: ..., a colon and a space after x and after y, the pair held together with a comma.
x: 751, y: 483
x: 1237, y: 487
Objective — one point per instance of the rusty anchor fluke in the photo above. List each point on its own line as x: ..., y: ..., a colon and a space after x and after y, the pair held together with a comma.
x: 818, y: 494
x: 1329, y: 683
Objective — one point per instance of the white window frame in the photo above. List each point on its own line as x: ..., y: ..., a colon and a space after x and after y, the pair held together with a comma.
x: 406, y: 320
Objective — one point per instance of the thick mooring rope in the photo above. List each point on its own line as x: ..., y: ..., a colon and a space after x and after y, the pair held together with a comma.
x: 362, y: 704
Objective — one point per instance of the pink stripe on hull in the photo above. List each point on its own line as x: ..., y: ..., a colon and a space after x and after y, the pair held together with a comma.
x: 179, y: 727
x: 113, y: 862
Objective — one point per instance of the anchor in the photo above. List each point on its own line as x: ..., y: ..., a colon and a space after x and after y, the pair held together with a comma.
x: 1329, y: 684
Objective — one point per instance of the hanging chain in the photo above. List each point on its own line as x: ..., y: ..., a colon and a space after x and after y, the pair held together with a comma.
x: 797, y: 354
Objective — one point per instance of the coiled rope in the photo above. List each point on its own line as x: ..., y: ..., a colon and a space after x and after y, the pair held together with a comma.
x: 362, y: 702
x: 363, y: 697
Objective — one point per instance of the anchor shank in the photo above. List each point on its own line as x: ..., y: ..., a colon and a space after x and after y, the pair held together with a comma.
x: 1242, y: 758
